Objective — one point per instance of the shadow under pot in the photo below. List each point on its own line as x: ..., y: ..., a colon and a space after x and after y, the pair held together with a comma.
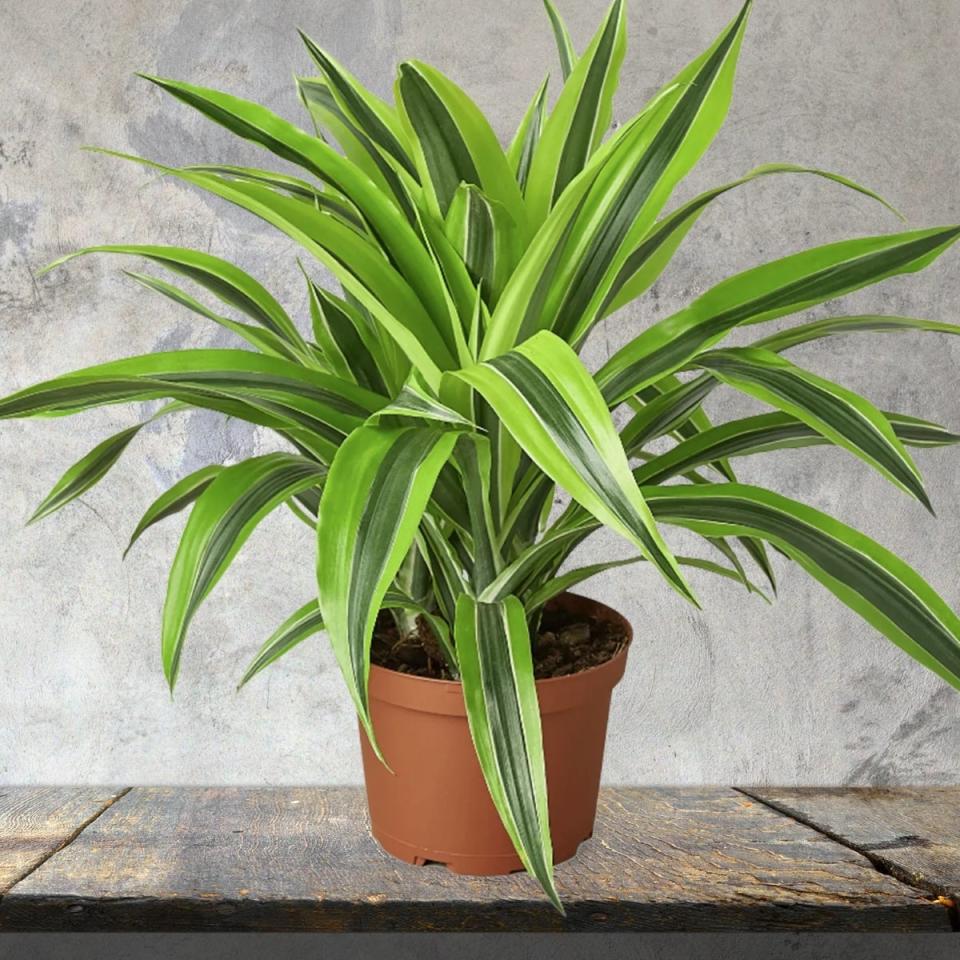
x: 435, y: 806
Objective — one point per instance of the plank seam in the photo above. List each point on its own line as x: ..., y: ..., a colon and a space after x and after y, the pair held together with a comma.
x: 879, y: 863
x: 65, y: 842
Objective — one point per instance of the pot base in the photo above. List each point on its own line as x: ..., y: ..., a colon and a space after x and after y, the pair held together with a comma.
x: 465, y: 864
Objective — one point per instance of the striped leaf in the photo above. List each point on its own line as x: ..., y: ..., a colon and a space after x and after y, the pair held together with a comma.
x: 565, y: 51
x: 648, y: 258
x: 548, y: 401
x: 260, y: 125
x: 663, y: 413
x: 300, y: 625
x: 446, y: 568
x: 452, y: 141
x: 224, y: 515
x: 355, y: 261
x: 561, y: 282
x: 580, y: 117
x: 346, y: 340
x: 545, y: 556
x: 486, y: 237
x: 772, y: 290
x: 326, y: 201
x: 183, y: 493
x: 475, y: 463
x: 264, y: 340
x: 835, y: 326
x: 524, y: 143
x: 565, y: 581
x: 415, y: 402
x: 375, y: 494
x: 331, y: 121
x: 307, y: 621
x: 768, y: 432
x: 496, y: 669
x: 325, y: 402
x: 369, y: 113
x: 875, y: 583
x: 845, y: 418
x: 234, y: 287
x: 90, y: 469
x: 644, y: 166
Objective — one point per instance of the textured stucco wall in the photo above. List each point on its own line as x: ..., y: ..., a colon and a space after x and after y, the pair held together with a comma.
x: 798, y: 692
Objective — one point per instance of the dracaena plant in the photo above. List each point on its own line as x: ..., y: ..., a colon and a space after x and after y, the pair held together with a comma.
x: 438, y: 402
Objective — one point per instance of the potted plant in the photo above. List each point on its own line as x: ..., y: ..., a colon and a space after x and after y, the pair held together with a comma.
x: 439, y: 404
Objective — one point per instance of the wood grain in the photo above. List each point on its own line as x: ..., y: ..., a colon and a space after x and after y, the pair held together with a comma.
x: 912, y: 833
x: 37, y: 821
x: 302, y: 859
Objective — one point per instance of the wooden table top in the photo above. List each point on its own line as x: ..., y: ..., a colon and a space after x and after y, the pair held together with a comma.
x: 301, y: 858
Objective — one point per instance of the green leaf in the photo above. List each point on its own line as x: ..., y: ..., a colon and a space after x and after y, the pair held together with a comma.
x: 524, y: 143
x: 453, y: 142
x: 387, y: 223
x: 771, y: 290
x: 768, y: 432
x: 415, y: 402
x: 90, y: 469
x: 568, y: 56
x: 449, y: 577
x: 368, y: 112
x: 301, y: 624
x: 327, y: 201
x: 562, y: 281
x: 222, y: 518
x: 834, y: 326
x: 645, y: 164
x: 557, y: 585
x: 226, y: 281
x: 346, y: 340
x: 496, y: 669
x: 647, y: 260
x: 474, y: 460
x: 178, y: 497
x: 842, y: 416
x: 916, y: 432
x: 548, y: 401
x: 264, y: 340
x: 538, y: 559
x: 875, y: 583
x: 486, y: 237
x: 315, y: 400
x: 375, y: 494
x: 580, y: 117
x: 330, y: 120
x: 355, y: 261
x: 665, y: 412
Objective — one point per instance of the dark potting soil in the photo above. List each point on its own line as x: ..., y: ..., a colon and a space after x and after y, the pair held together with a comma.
x: 566, y: 643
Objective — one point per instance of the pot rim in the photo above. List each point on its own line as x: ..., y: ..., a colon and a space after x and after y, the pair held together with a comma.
x: 431, y: 695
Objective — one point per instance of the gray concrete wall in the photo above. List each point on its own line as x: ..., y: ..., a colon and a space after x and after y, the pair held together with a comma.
x: 801, y: 691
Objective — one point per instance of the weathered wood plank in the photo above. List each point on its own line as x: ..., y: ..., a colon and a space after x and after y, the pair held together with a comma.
x: 302, y: 859
x: 37, y: 821
x: 914, y: 833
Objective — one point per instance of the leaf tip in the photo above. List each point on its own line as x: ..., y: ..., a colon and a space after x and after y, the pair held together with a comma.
x: 37, y: 514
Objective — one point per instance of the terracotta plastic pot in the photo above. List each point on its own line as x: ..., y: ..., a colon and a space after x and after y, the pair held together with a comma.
x: 435, y: 807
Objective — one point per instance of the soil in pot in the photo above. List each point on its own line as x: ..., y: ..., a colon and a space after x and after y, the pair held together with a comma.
x: 566, y: 643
